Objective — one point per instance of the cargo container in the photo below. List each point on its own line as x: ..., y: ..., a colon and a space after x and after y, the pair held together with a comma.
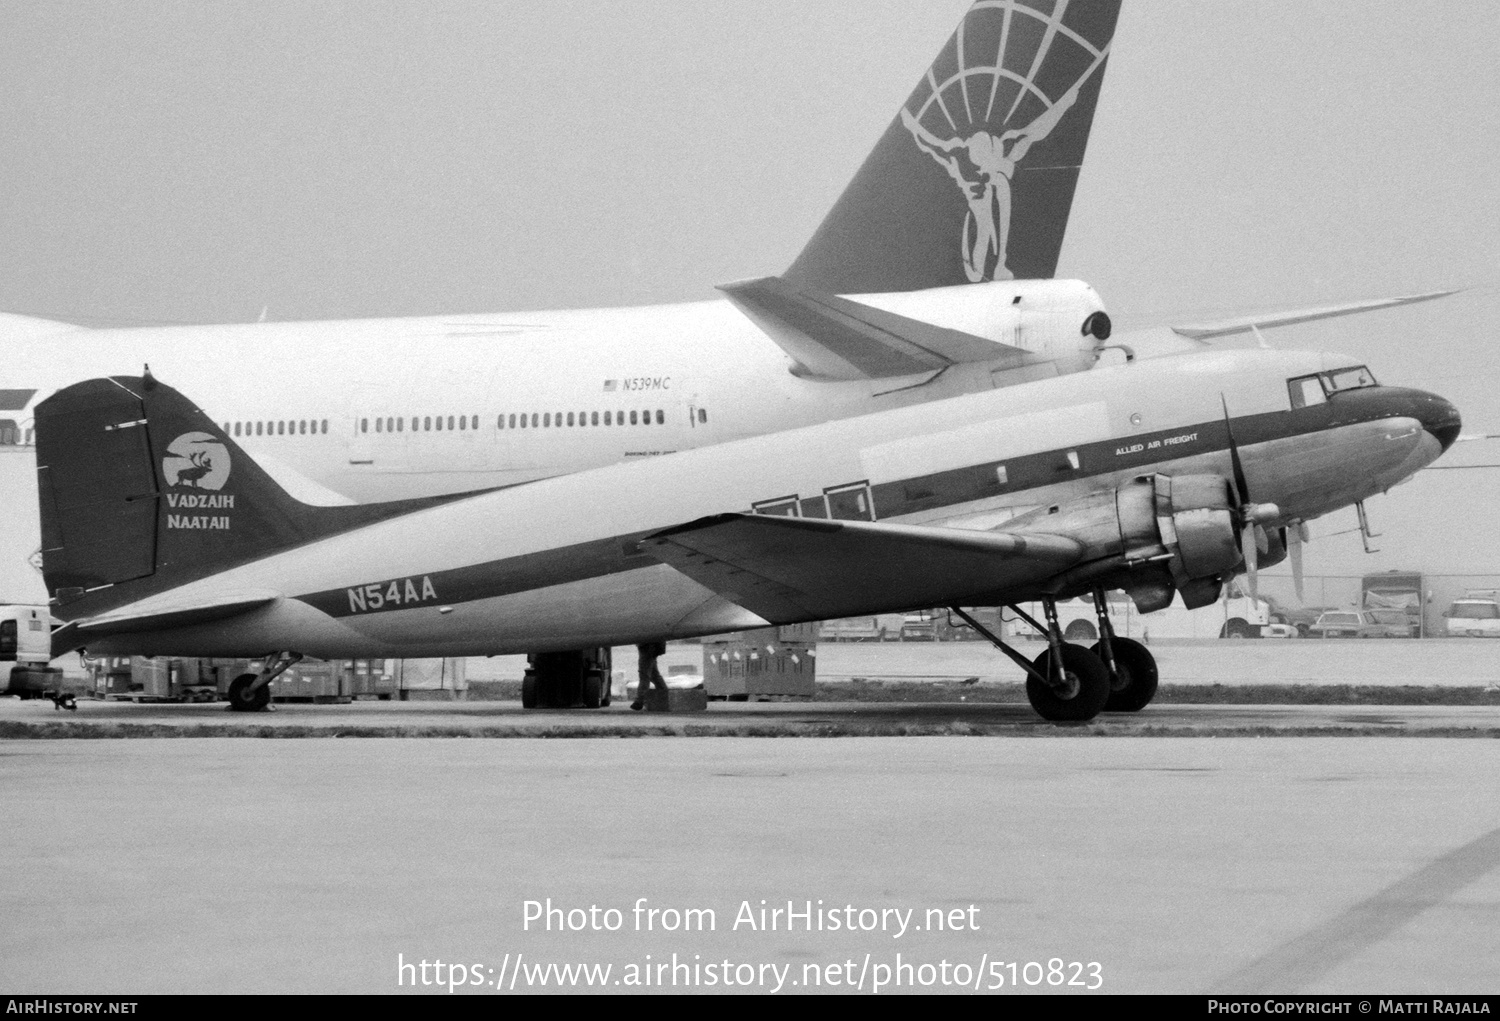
x: 773, y: 662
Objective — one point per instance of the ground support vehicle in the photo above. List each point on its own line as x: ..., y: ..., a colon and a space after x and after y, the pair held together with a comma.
x: 577, y: 679
x: 1399, y: 591
x: 1390, y: 624
x: 26, y: 641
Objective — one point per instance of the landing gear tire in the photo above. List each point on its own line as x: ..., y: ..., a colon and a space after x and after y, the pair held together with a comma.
x: 1136, y: 669
x: 1087, y: 689
x: 529, y: 691
x: 243, y: 700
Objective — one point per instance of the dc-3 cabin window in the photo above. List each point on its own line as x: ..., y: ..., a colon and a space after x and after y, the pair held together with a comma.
x: 850, y: 503
x: 782, y: 507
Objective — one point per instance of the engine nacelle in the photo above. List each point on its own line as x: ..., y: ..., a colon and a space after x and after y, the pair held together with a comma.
x: 1196, y: 518
x: 1154, y: 536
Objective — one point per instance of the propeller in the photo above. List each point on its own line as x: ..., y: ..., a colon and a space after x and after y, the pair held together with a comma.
x: 1296, y: 535
x: 1253, y: 516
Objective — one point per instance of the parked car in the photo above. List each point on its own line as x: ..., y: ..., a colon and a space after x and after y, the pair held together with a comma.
x: 919, y: 627
x: 1337, y: 624
x: 1473, y: 618
x: 1302, y: 618
x: 851, y: 629
x: 1364, y: 624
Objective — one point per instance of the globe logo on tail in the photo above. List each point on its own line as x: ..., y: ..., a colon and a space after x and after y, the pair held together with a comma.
x: 196, y: 461
x: 1012, y: 76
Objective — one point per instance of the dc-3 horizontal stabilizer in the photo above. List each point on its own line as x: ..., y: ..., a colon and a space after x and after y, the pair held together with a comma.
x: 834, y: 338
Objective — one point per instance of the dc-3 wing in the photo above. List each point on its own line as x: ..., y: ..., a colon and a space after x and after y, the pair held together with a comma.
x: 837, y: 339
x: 794, y: 569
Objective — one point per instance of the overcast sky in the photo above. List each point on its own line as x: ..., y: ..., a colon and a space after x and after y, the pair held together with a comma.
x: 197, y: 162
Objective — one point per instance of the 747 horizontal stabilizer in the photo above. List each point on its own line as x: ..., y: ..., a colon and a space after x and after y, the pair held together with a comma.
x: 834, y: 338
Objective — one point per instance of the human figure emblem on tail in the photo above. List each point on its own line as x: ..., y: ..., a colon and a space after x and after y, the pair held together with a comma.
x: 196, y: 461
x: 984, y: 145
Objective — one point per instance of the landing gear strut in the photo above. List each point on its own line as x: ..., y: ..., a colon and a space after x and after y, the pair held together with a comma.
x: 1129, y: 665
x: 567, y: 680
x: 251, y: 693
x: 1067, y: 683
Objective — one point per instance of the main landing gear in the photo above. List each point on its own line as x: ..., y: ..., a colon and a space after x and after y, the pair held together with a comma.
x: 567, y: 680
x: 1069, y: 683
x: 1129, y: 664
x: 251, y: 693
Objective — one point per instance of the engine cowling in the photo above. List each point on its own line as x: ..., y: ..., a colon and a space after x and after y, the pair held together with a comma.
x: 1155, y: 536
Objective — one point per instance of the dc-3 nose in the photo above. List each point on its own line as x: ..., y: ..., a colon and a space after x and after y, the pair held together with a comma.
x: 1438, y: 416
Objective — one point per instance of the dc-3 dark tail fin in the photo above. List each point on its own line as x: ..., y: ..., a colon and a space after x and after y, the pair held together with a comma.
x: 974, y: 178
x: 140, y: 491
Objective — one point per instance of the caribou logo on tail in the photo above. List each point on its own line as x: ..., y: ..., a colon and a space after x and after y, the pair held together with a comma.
x: 196, y: 461
x: 986, y: 116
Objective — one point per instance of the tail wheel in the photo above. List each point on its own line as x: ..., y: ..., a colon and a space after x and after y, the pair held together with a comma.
x: 1085, y: 694
x: 1135, y: 669
x: 243, y: 700
x: 528, y: 691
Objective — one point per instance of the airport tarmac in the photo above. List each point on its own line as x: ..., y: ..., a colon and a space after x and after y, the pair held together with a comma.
x: 1186, y: 865
x: 94, y: 719
x: 1437, y: 661
x: 1358, y: 852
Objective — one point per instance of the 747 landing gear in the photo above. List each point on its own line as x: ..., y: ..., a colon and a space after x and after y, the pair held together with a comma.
x: 1129, y: 665
x: 251, y: 693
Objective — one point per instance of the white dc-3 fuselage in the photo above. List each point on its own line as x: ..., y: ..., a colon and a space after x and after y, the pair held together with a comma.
x: 505, y: 572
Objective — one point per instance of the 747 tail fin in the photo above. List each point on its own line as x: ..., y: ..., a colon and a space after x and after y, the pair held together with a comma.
x: 974, y: 178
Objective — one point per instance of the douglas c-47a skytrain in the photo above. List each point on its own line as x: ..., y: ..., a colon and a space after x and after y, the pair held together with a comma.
x: 162, y: 536
x: 884, y: 407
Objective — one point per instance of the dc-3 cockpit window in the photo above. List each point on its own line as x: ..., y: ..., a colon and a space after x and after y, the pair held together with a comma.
x: 1349, y: 379
x: 1306, y: 391
x: 1309, y: 390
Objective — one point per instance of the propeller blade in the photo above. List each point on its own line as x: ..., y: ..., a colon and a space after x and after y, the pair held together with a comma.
x: 1296, y: 535
x: 1248, y: 550
x: 1241, y: 486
